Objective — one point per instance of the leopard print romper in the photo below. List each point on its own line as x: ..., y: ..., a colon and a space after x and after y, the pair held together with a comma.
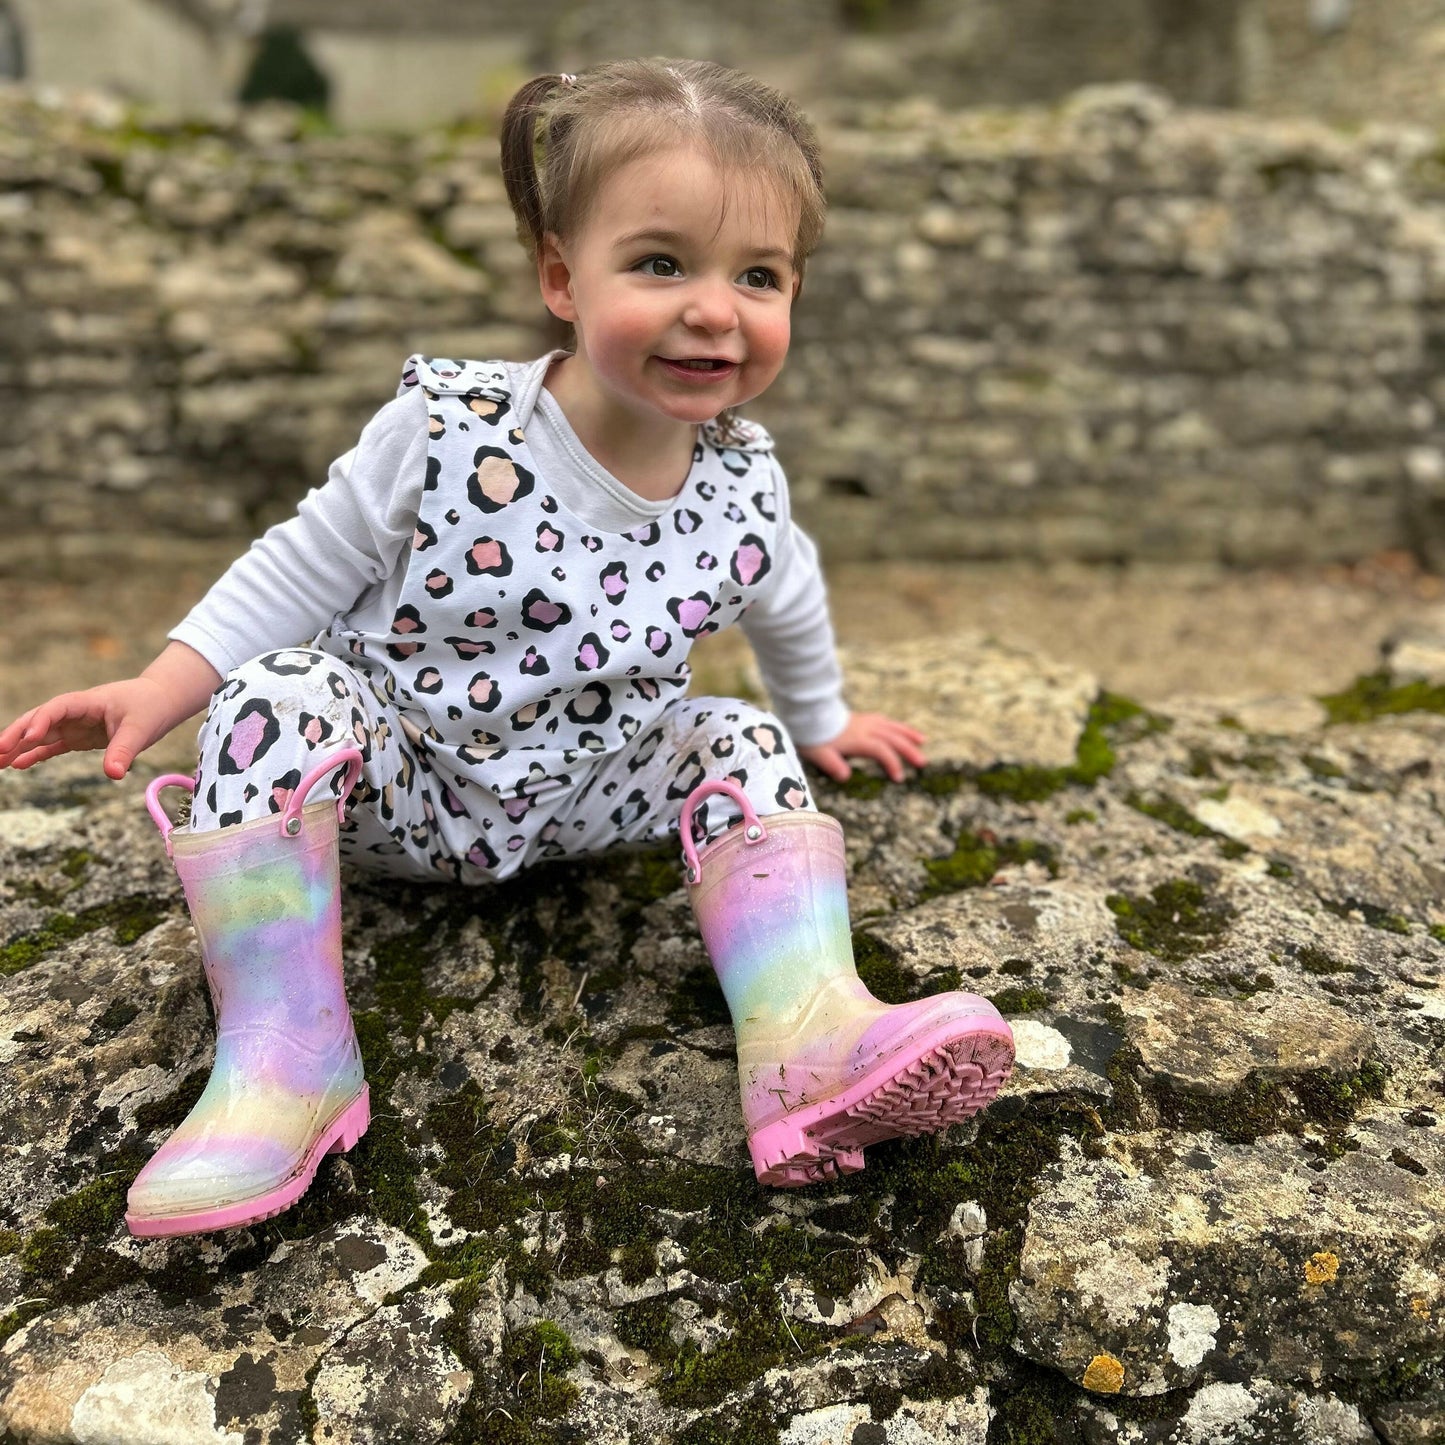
x: 527, y: 702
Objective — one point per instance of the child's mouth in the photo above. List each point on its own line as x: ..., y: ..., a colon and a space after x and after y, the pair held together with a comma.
x: 702, y: 371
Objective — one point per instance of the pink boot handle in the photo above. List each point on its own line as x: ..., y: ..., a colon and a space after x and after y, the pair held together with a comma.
x: 290, y: 815
x: 752, y: 830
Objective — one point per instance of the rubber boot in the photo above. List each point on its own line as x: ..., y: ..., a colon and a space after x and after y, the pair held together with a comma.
x: 287, y: 1086
x: 825, y: 1069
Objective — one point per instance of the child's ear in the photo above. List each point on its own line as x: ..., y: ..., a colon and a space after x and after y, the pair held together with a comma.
x: 555, y: 278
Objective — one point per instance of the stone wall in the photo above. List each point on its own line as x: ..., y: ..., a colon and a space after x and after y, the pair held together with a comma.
x: 1339, y: 59
x: 1109, y: 329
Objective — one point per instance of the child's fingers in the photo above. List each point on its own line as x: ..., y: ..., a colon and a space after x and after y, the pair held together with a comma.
x: 10, y: 738
x: 38, y: 755
x: 129, y: 739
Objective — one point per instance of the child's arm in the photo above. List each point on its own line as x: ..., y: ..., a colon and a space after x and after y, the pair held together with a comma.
x: 791, y: 634
x: 345, y: 536
x: 125, y: 717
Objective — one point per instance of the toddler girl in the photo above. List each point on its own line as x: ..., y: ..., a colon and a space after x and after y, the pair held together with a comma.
x: 497, y: 590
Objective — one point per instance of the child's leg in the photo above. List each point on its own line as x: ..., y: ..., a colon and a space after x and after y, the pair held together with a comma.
x: 824, y: 1067
x: 634, y: 798
x: 275, y: 716
x: 287, y: 1085
x: 262, y: 880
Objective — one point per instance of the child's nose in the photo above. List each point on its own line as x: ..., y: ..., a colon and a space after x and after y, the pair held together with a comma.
x: 712, y: 306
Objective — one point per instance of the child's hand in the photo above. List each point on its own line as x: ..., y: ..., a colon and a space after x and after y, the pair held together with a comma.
x: 125, y: 718
x: 868, y: 735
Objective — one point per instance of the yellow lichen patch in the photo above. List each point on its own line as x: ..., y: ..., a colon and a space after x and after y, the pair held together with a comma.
x: 1105, y: 1375
x: 1420, y: 1308
x: 1322, y: 1267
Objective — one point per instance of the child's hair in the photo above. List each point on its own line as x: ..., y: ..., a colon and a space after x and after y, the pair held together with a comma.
x: 591, y: 125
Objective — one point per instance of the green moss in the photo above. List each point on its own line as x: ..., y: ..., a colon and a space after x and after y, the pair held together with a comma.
x: 976, y: 857
x: 1022, y: 782
x: 1373, y: 914
x: 129, y: 917
x: 1020, y: 1000
x: 1377, y: 695
x: 1265, y: 1105
x: 645, y: 1325
x: 9, y: 1242
x: 859, y: 784
x: 1278, y: 868
x: 1111, y: 719
x: 759, y: 1338
x: 698, y: 1000
x: 1322, y: 767
x: 382, y: 1163
x: 941, y: 782
x: 1437, y: 932
x: 1317, y: 960
x: 887, y: 980
x: 754, y: 1423
x: 45, y: 1255
x: 1177, y: 920
x: 1081, y: 815
x: 95, y: 1210
x: 534, y: 1361
x: 1171, y: 813
x: 639, y: 1260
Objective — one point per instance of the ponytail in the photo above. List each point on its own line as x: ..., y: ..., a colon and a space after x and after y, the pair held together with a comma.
x: 519, y: 154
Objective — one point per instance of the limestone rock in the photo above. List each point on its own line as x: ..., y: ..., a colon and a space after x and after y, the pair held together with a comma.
x: 1205, y: 1208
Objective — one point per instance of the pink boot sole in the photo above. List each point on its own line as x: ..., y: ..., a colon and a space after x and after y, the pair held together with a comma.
x: 338, y: 1136
x: 942, y: 1079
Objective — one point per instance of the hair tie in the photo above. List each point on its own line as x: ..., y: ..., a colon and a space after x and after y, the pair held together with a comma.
x: 569, y: 79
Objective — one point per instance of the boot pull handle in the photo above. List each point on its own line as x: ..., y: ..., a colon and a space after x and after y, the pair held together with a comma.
x: 291, y: 814
x: 753, y: 831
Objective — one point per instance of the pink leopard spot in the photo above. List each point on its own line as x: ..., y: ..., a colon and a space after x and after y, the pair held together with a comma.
x: 480, y: 691
x: 587, y: 655
x: 245, y: 739
x: 746, y: 561
x: 544, y: 611
x: 487, y: 554
x: 691, y: 613
x: 498, y: 480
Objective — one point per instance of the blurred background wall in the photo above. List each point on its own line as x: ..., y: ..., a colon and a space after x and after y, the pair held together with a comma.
x: 1152, y: 279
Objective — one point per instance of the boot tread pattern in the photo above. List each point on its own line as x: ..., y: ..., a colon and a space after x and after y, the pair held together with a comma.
x: 944, y: 1085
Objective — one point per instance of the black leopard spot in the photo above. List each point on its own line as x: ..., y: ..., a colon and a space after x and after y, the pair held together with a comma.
x: 487, y: 557
x: 497, y: 481
x: 483, y: 693
x: 542, y: 614
x: 591, y: 653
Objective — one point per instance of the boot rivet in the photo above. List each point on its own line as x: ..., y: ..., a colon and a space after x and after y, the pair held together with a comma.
x: 293, y: 826
x: 754, y: 831
x: 692, y: 875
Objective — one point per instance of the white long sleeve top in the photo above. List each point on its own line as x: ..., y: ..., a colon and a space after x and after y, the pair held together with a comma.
x: 345, y: 554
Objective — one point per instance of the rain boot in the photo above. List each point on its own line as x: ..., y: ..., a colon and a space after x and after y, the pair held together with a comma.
x: 287, y: 1086
x: 825, y: 1068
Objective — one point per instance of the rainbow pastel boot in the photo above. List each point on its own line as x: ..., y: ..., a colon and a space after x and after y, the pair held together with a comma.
x: 825, y: 1068
x: 286, y: 1087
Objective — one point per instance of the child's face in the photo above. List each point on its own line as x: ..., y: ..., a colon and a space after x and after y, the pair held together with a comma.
x: 712, y: 291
